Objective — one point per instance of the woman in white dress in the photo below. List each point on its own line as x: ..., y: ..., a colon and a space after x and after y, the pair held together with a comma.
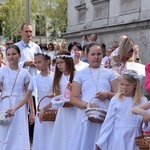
x: 93, y: 81
x: 41, y: 84
x: 121, y: 126
x: 13, y: 83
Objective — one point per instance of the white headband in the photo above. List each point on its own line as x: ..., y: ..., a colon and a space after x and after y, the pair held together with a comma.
x: 42, y: 53
x: 63, y: 56
x: 131, y: 73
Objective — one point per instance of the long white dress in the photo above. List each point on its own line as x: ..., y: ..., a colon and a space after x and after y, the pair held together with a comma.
x: 62, y: 132
x: 14, y: 136
x: 120, y: 127
x: 42, y: 131
x: 86, y: 133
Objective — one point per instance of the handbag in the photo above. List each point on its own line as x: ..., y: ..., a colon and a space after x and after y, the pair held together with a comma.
x: 3, y: 119
x: 49, y: 115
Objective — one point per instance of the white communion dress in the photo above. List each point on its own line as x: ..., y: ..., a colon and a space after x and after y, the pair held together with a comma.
x: 63, y: 127
x: 120, y: 126
x: 42, y: 86
x: 86, y: 133
x: 14, y: 136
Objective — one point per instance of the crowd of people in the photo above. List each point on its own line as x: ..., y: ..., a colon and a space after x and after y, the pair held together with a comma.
x: 86, y: 74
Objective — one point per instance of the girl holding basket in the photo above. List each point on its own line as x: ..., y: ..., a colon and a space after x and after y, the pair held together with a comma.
x: 41, y: 84
x: 64, y: 73
x: 93, y: 81
x: 14, y: 81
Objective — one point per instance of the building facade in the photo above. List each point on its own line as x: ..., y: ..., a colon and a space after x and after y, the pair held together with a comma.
x: 110, y: 19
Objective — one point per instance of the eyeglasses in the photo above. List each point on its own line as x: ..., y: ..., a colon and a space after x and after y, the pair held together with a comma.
x: 9, y: 43
x: 60, y: 63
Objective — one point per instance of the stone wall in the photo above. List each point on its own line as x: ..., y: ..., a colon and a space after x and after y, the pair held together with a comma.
x: 110, y: 19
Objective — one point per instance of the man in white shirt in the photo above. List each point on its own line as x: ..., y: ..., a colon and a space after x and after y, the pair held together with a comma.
x: 27, y: 48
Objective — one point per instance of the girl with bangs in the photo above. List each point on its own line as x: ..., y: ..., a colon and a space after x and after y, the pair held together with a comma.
x: 121, y: 126
x: 63, y: 77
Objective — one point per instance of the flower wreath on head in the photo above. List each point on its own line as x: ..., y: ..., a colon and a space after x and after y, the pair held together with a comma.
x: 42, y: 53
x: 63, y: 56
x: 133, y: 74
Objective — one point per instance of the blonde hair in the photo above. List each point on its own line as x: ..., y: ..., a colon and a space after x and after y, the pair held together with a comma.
x: 124, y: 47
x: 131, y: 79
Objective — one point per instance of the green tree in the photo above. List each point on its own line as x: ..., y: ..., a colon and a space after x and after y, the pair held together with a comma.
x: 13, y: 14
x: 49, y: 15
x: 58, y: 18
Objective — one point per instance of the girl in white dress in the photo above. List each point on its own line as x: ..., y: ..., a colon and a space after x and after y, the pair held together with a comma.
x: 64, y: 73
x: 121, y: 126
x: 93, y: 81
x: 13, y: 83
x: 41, y: 84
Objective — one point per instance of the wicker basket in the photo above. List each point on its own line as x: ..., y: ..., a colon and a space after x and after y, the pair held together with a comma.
x: 49, y: 115
x: 143, y: 142
x: 95, y: 115
x: 3, y: 119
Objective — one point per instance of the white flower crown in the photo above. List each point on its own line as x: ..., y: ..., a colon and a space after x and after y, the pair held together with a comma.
x: 42, y: 53
x: 133, y: 74
x: 63, y: 56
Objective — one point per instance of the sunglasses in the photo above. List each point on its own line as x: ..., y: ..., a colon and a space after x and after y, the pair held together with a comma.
x: 131, y: 51
x: 9, y: 43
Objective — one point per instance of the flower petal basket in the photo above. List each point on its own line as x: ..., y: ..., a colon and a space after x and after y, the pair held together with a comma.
x: 60, y: 101
x: 95, y: 115
x: 143, y: 142
x: 49, y: 115
x: 3, y: 119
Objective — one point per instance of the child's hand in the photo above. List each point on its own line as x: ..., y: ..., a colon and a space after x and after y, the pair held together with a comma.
x: 31, y: 118
x: 41, y: 115
x: 51, y: 95
x: 93, y: 105
x: 10, y: 112
x: 146, y: 116
x: 102, y: 95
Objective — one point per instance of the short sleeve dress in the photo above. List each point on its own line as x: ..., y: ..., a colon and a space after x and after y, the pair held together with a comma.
x: 14, y: 136
x: 86, y: 133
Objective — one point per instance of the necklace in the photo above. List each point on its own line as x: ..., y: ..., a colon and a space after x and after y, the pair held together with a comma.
x: 95, y: 83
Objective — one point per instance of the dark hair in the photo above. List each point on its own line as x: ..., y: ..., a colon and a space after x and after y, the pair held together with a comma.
x: 77, y: 45
x: 15, y: 47
x: 91, y: 45
x: 44, y: 54
x: 70, y: 47
x: 51, y: 44
x: 43, y: 46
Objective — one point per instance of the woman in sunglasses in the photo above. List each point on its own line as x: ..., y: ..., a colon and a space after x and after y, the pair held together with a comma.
x: 125, y: 54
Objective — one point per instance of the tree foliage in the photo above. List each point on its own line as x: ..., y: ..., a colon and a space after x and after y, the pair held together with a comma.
x: 49, y: 15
